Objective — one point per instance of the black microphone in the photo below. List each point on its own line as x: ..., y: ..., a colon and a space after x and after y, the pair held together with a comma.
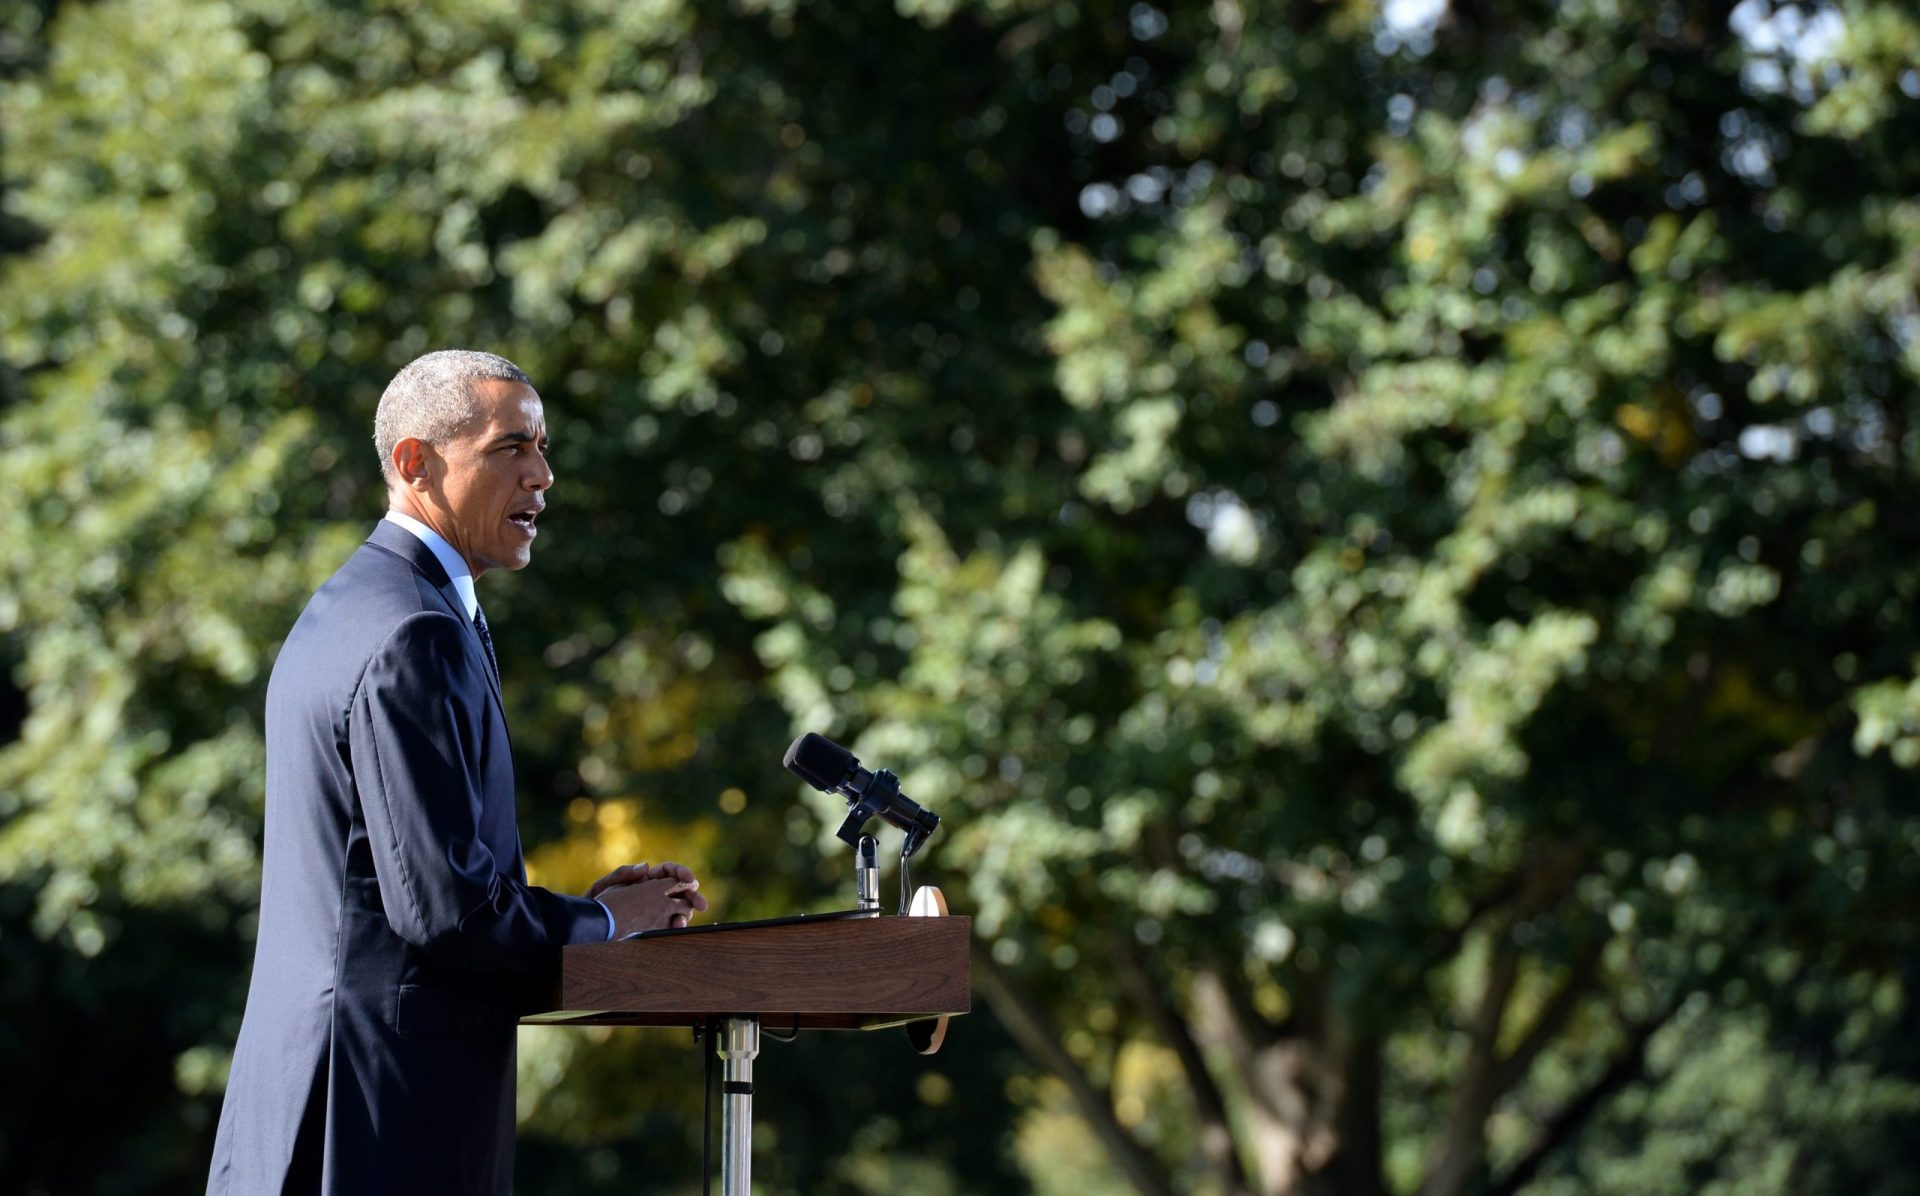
x: 830, y: 768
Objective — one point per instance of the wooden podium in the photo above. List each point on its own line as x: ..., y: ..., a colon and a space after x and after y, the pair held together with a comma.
x: 859, y: 971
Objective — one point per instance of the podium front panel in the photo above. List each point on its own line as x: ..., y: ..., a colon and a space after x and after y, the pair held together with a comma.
x: 851, y: 974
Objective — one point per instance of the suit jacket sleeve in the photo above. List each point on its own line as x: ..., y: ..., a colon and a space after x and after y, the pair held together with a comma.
x: 419, y: 722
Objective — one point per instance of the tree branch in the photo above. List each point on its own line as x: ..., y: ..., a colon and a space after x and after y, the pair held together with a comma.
x: 1461, y: 1150
x: 1216, y: 1133
x: 1538, y: 885
x: 1625, y: 1067
x: 1447, y: 942
x: 1552, y: 1019
x: 1356, y: 1169
x: 1460, y: 1155
x: 1030, y: 1026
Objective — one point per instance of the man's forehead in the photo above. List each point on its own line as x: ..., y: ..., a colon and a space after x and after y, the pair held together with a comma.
x: 511, y: 406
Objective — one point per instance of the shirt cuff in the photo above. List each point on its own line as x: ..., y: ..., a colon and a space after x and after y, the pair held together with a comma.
x: 610, y: 924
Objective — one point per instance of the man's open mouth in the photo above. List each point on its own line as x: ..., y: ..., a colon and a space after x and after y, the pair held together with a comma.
x: 524, y: 519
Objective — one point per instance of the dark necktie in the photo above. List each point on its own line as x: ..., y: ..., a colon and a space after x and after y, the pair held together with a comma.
x: 486, y: 640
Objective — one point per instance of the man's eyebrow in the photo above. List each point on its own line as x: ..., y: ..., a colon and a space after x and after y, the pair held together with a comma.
x: 521, y: 437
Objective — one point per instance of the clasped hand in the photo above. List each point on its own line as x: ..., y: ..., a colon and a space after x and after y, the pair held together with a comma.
x: 649, y: 897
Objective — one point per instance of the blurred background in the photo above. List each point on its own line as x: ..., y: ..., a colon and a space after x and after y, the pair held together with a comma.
x: 1389, y: 532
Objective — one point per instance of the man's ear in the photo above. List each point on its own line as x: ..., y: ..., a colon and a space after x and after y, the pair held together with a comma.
x: 411, y: 463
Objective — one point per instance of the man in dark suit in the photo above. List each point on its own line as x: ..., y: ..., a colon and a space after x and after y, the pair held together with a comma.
x: 399, y: 939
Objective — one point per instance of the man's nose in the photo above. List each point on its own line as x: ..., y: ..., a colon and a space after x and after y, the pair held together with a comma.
x: 541, y: 478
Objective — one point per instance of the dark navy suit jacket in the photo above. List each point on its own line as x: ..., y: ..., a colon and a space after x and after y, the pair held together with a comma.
x: 399, y: 939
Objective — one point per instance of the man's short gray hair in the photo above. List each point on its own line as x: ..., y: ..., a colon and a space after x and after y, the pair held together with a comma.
x: 433, y: 398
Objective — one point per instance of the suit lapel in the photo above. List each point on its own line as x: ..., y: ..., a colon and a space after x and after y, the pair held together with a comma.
x: 407, y: 546
x: 404, y: 544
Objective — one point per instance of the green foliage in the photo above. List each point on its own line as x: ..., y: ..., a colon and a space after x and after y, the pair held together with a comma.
x: 1387, y: 537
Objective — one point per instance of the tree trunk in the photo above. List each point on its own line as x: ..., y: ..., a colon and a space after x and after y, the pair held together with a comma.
x: 1312, y: 1094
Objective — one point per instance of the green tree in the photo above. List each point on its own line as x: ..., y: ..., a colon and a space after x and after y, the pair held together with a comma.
x: 1381, y: 529
x: 1461, y: 651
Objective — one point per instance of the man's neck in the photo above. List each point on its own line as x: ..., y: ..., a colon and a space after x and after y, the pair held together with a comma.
x: 406, y: 502
x: 450, y: 559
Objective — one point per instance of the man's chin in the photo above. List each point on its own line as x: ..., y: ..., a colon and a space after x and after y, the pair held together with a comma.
x: 511, y: 562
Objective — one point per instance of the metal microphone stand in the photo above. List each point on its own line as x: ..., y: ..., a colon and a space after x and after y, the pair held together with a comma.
x: 738, y: 1044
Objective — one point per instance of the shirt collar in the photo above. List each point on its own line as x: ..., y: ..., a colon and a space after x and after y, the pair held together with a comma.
x: 451, y: 561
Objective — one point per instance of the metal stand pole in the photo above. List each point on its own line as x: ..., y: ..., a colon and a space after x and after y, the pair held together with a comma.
x: 739, y: 1043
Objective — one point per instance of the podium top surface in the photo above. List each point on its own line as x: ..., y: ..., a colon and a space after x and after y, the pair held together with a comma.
x: 839, y: 974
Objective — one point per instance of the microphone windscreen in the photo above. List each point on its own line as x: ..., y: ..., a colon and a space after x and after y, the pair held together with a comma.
x: 819, y: 761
